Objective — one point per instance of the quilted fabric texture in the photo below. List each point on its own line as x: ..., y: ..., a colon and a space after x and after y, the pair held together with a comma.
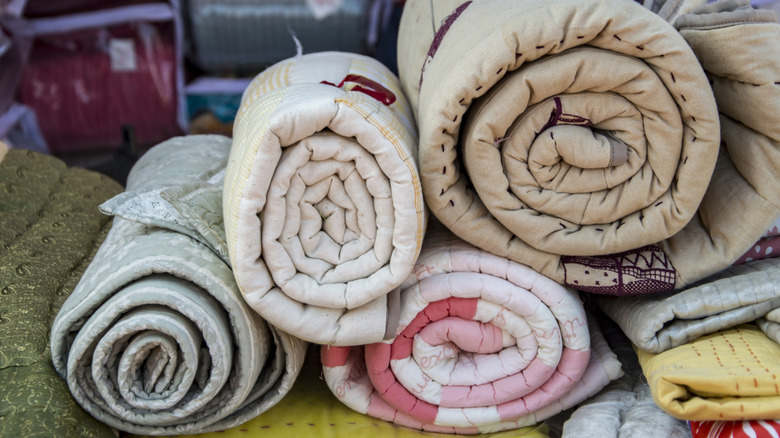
x: 483, y: 345
x: 730, y: 375
x: 156, y: 337
x: 625, y: 407
x: 551, y: 132
x: 739, y: 48
x: 323, y: 205
x: 51, y: 229
x: 734, y: 296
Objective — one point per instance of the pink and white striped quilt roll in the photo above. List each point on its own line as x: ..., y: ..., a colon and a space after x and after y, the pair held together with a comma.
x: 484, y: 344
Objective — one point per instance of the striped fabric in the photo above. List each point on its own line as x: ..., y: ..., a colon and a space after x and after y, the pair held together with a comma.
x: 483, y: 345
x: 736, y: 429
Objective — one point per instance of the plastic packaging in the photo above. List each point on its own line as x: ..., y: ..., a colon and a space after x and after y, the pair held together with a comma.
x: 89, y: 74
x: 244, y: 36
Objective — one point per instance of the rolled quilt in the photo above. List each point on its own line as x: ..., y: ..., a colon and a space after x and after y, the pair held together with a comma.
x: 553, y: 131
x: 156, y: 338
x: 737, y: 295
x: 484, y: 344
x: 730, y: 375
x: 323, y: 205
x: 739, y: 48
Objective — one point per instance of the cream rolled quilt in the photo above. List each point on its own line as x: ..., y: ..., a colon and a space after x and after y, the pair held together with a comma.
x: 155, y: 338
x: 555, y: 130
x: 483, y: 344
x: 323, y: 205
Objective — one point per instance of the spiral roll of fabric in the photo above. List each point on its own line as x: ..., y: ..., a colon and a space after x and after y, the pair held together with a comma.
x: 156, y: 338
x: 483, y: 344
x: 323, y: 205
x: 551, y: 132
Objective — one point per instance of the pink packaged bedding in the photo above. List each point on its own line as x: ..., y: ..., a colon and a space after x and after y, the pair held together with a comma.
x: 89, y: 74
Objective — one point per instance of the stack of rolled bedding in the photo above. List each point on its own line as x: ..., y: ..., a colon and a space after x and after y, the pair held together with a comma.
x: 710, y: 350
x: 156, y: 338
x: 323, y: 205
x: 581, y: 141
x: 625, y: 407
x: 484, y: 344
x: 746, y: 85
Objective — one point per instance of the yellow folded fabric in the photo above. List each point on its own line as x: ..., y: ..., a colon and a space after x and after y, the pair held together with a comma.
x: 729, y: 375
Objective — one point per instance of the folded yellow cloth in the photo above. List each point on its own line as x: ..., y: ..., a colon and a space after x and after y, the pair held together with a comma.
x: 728, y: 375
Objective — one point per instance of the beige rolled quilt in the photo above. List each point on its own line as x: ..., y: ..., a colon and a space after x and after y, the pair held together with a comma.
x: 323, y: 204
x: 739, y: 48
x: 553, y: 131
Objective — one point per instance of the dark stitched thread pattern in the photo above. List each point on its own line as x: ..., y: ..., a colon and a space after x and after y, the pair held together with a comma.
x: 439, y: 37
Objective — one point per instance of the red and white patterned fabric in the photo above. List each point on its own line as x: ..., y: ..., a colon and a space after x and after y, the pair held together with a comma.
x: 736, y: 429
x: 483, y: 345
x: 90, y: 74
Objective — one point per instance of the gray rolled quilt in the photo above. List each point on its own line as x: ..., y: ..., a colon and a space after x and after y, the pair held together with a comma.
x: 156, y: 338
x: 553, y: 132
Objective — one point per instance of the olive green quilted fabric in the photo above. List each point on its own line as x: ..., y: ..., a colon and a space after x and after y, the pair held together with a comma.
x: 51, y: 227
